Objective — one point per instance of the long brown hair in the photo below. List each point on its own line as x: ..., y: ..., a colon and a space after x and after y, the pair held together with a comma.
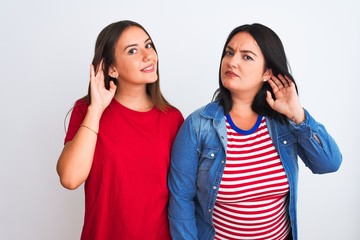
x: 105, y: 50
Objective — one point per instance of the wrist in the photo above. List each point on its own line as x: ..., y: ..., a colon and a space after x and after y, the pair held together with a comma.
x: 298, y: 116
x: 95, y: 111
x: 92, y: 118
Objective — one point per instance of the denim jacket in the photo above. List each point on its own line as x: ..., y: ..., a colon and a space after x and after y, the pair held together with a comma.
x: 198, y: 160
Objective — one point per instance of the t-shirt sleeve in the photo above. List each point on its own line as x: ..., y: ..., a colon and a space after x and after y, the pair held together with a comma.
x: 77, y: 116
x: 177, y: 120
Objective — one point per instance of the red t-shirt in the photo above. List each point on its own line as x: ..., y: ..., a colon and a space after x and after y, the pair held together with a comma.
x: 126, y: 193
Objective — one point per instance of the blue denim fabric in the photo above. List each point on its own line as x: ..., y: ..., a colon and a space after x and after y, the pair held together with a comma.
x: 198, y: 160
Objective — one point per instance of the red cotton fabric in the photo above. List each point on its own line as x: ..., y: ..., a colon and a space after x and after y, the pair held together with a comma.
x: 126, y: 193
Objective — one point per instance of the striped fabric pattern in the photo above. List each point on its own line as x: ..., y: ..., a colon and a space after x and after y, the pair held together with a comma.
x: 252, y: 200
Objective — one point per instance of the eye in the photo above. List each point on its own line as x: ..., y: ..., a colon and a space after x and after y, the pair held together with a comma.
x: 132, y: 51
x: 229, y: 53
x: 149, y: 45
x: 248, y: 58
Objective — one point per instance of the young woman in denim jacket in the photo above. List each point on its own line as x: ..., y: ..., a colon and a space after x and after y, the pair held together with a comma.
x: 256, y: 91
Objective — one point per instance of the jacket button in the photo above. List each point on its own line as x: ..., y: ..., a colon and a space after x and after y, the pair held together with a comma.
x: 214, y: 187
x: 212, y: 154
x: 285, y: 142
x: 209, y: 210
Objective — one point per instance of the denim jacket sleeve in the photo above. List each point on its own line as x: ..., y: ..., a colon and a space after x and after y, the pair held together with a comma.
x: 182, y: 183
x: 316, y: 147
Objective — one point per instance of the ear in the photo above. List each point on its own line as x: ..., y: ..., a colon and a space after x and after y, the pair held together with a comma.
x: 113, y: 72
x: 267, y: 74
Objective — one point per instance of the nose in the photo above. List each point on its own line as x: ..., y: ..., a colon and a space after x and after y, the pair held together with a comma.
x: 233, y: 61
x: 147, y: 56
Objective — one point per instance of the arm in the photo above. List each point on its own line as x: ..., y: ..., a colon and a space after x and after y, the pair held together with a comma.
x: 182, y: 183
x: 75, y: 160
x: 317, y: 148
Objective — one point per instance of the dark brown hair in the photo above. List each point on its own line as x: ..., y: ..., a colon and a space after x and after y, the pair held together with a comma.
x: 275, y: 59
x: 105, y: 50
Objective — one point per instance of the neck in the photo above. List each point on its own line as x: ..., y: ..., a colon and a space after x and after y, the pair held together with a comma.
x: 242, y: 114
x: 242, y: 106
x: 134, y: 98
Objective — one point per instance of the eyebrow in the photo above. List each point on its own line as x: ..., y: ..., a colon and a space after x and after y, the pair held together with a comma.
x: 242, y: 51
x: 134, y: 45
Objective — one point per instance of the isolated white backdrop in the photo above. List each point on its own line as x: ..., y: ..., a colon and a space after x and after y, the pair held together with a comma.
x: 47, y: 46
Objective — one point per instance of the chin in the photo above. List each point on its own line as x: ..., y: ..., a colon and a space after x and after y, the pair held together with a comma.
x: 226, y: 83
x: 152, y: 80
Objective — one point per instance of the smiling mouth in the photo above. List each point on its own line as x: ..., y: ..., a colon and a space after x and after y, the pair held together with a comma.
x: 149, y: 68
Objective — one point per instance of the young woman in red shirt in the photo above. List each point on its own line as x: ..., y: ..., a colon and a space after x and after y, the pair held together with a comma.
x: 119, y: 139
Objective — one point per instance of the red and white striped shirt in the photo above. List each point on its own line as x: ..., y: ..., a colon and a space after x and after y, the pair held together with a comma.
x: 252, y: 201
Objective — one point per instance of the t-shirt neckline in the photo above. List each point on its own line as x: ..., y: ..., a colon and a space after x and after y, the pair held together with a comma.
x: 241, y: 131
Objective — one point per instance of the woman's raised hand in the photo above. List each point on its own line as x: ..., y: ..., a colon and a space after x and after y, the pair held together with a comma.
x: 100, y: 96
x: 286, y: 99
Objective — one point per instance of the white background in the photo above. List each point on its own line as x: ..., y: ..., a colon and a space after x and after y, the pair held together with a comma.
x: 47, y: 46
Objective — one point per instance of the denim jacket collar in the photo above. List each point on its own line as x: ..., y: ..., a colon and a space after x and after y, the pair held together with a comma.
x: 215, y: 112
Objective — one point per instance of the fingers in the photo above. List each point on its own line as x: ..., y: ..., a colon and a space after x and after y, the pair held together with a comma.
x: 285, y: 80
x: 92, y: 72
x: 269, y: 99
x: 100, y: 67
x: 97, y: 76
x: 97, y: 80
x: 280, y: 82
x: 99, y: 70
x: 92, y: 77
x: 112, y: 88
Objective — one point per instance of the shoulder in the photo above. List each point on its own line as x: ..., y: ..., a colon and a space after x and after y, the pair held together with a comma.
x: 82, y: 101
x: 79, y: 109
x: 172, y: 116
x: 211, y: 110
x: 173, y: 113
x: 81, y: 104
x: 172, y: 110
x: 173, y: 119
x: 78, y: 112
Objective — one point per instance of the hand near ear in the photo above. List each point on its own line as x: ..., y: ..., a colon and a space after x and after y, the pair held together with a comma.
x: 100, y: 96
x: 286, y: 99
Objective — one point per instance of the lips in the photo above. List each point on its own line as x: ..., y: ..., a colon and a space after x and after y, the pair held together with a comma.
x: 230, y: 73
x: 148, y: 68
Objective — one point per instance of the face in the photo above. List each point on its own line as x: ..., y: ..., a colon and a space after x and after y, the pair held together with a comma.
x: 135, y: 58
x: 242, y: 67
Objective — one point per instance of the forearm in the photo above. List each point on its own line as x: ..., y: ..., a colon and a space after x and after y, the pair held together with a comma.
x: 297, y: 115
x: 181, y: 205
x: 75, y: 161
x: 318, y: 149
x: 182, y: 184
